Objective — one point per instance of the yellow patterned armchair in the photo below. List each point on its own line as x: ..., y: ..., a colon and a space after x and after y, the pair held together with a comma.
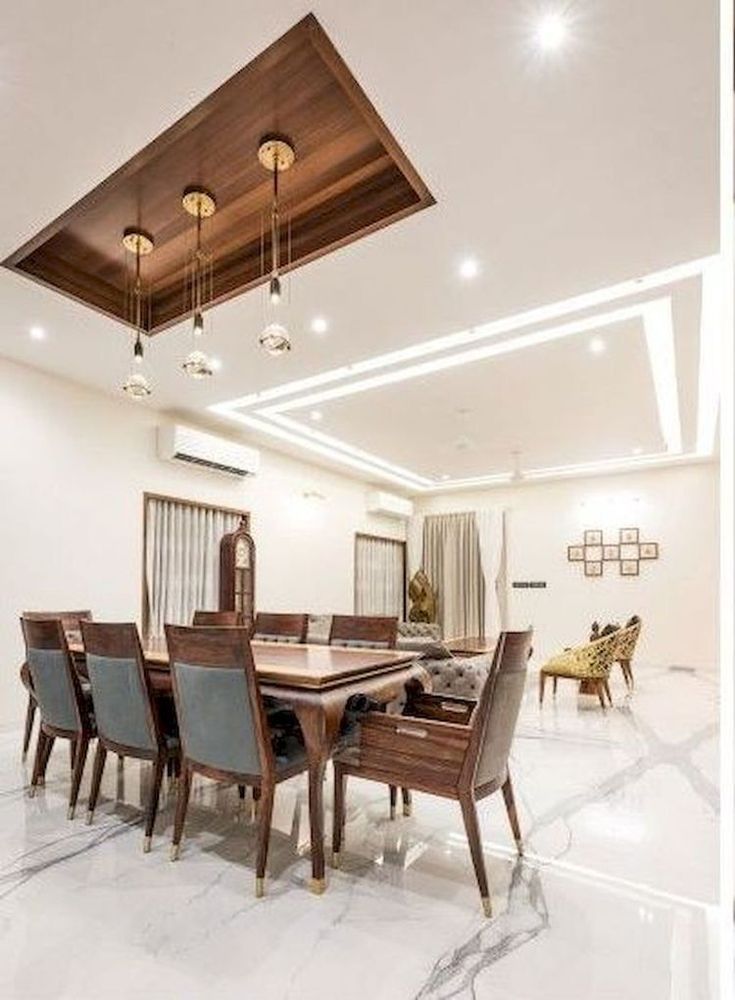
x: 627, y: 642
x: 589, y: 664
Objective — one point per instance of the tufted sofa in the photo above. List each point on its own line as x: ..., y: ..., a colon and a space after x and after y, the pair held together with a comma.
x: 463, y: 676
x: 411, y: 635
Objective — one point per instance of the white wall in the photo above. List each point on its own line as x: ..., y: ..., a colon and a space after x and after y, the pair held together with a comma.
x: 677, y: 596
x: 73, y: 468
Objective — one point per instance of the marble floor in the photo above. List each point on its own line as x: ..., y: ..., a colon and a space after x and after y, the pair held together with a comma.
x: 614, y: 898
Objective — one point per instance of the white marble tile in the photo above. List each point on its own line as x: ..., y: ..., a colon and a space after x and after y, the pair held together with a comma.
x: 612, y: 901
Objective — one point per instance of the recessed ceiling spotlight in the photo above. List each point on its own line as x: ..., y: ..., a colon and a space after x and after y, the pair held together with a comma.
x: 597, y: 346
x: 316, y: 416
x: 37, y: 333
x: 551, y: 31
x: 215, y: 364
x: 469, y: 268
x: 319, y: 325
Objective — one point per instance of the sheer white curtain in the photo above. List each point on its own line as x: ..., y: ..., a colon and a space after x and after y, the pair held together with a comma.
x: 491, y: 539
x: 181, y: 560
x: 451, y: 560
x: 415, y: 544
x: 379, y: 576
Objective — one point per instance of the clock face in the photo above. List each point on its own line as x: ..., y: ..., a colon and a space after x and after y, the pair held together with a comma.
x: 242, y: 554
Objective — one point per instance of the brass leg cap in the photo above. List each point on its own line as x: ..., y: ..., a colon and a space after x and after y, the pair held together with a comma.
x: 317, y: 886
x: 487, y: 906
x: 70, y: 813
x: 147, y: 844
x: 175, y: 851
x: 259, y: 888
x: 392, y: 812
x: 407, y: 809
x: 90, y: 817
x: 336, y: 860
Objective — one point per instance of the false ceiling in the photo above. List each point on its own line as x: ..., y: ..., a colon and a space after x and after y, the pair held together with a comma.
x: 350, y: 177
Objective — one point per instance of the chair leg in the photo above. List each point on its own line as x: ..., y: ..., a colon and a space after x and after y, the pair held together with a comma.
x: 264, y: 835
x: 510, y: 808
x: 407, y: 804
x: 28, y: 730
x: 556, y: 681
x: 600, y: 693
x: 393, y: 799
x: 100, y: 757
x: 541, y: 685
x: 182, y: 804
x: 80, y: 759
x: 38, y: 761
x: 606, y: 685
x: 159, y: 766
x: 50, y: 740
x: 338, y: 819
x: 241, y: 791
x: 72, y: 751
x: 472, y: 826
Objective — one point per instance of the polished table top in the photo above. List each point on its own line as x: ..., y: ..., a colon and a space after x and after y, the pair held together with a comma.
x: 298, y: 665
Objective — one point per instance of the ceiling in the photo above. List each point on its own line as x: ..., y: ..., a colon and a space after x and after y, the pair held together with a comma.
x: 561, y: 173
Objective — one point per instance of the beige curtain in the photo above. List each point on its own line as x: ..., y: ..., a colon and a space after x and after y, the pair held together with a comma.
x: 451, y: 560
x: 181, y: 560
x: 379, y: 576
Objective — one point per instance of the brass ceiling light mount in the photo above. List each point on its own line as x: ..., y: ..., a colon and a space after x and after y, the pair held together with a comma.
x: 277, y: 154
x: 139, y: 243
x: 200, y: 204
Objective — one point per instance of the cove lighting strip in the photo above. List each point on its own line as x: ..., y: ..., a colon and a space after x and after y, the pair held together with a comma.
x: 339, y: 382
x: 710, y: 357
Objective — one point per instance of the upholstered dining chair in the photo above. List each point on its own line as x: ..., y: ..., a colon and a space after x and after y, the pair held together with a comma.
x: 70, y: 620
x: 223, y: 726
x: 65, y: 711
x: 363, y: 631
x: 125, y: 710
x: 279, y: 627
x: 448, y: 746
x: 216, y: 618
x: 589, y: 663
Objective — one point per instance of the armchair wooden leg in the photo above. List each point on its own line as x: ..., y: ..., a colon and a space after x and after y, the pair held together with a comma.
x: 182, y: 804
x: 152, y: 811
x: 600, y: 693
x: 541, y: 685
x: 28, y: 730
x: 472, y: 826
x: 80, y: 759
x: 100, y: 757
x: 393, y: 799
x: 556, y: 681
x: 264, y: 834
x: 510, y: 808
x: 606, y: 685
x: 338, y: 819
x: 407, y: 804
x: 38, y: 761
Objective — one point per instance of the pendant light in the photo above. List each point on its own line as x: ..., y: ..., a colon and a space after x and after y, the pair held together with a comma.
x: 276, y: 153
x: 140, y: 244
x: 200, y: 204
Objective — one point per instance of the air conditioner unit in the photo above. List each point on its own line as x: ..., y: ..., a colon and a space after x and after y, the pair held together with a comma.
x: 185, y: 444
x: 389, y: 505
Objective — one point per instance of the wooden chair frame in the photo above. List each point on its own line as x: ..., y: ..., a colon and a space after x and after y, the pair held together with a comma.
x: 216, y: 619
x: 277, y: 623
x: 365, y: 628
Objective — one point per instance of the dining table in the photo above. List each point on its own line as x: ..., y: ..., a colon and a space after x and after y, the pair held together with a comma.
x: 316, y: 682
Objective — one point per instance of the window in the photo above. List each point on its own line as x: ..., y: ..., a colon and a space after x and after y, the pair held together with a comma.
x: 380, y: 576
x: 181, y: 542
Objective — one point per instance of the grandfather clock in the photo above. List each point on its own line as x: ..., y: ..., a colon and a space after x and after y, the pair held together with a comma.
x: 237, y: 573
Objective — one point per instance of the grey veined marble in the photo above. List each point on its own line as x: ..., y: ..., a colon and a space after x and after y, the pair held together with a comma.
x: 614, y: 898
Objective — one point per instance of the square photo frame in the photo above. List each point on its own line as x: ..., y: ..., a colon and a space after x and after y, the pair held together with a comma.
x: 630, y: 550
x: 575, y: 553
x: 649, y: 550
x: 593, y: 569
x: 628, y: 535
x: 593, y: 553
x: 593, y: 537
x: 629, y: 567
x: 611, y: 553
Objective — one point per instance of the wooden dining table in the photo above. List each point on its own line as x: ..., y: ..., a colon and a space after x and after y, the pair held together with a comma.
x: 315, y: 681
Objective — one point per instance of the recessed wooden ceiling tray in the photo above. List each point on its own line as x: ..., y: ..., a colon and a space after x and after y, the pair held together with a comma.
x: 350, y: 178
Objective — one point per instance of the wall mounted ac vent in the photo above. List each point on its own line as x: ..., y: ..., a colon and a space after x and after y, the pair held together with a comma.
x: 185, y: 444
x: 389, y: 505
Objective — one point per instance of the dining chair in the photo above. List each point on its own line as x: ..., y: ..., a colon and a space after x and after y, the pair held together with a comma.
x: 279, y: 627
x: 65, y: 711
x: 223, y: 726
x: 125, y: 709
x: 70, y: 621
x: 363, y: 631
x: 448, y: 746
x: 589, y: 663
x: 216, y: 618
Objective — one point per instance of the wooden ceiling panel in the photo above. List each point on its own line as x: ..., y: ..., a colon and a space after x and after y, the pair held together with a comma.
x: 349, y: 179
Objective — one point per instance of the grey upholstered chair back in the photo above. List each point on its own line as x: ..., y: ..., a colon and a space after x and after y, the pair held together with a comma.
x: 52, y: 674
x: 122, y: 706
x: 217, y: 701
x: 499, y: 706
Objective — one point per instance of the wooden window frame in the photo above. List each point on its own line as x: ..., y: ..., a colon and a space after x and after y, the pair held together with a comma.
x: 380, y: 538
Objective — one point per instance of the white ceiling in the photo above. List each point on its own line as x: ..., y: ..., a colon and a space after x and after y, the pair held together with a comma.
x: 560, y: 172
